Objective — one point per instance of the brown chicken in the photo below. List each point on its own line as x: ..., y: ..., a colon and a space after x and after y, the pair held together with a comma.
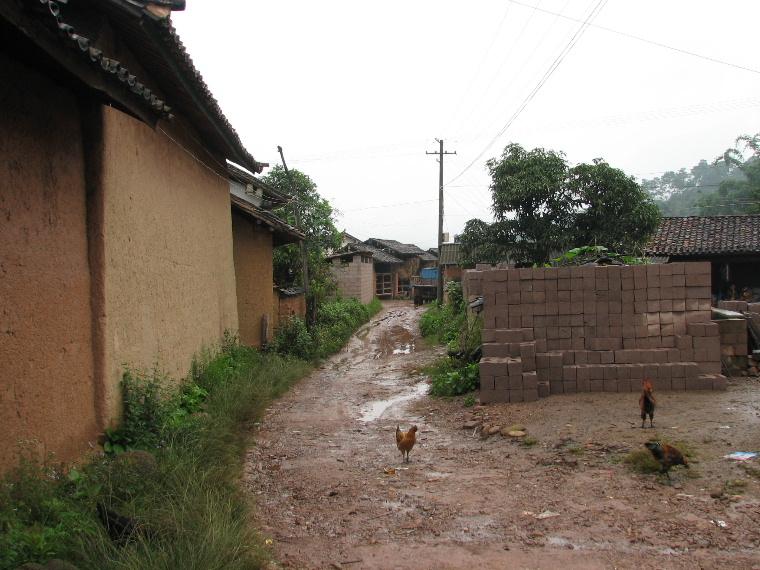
x: 667, y: 455
x: 647, y: 402
x: 405, y: 441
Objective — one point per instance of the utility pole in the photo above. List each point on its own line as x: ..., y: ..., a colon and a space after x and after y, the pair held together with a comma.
x: 297, y: 210
x: 440, y: 154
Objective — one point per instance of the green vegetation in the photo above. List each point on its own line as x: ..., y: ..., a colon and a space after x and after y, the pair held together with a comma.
x: 528, y: 441
x: 173, y: 467
x: 728, y: 185
x: 449, y: 324
x: 642, y: 461
x: 315, y: 217
x: 541, y: 205
x: 336, y: 322
x: 588, y: 253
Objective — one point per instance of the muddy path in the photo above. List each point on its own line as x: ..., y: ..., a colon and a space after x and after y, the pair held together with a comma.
x: 317, y: 473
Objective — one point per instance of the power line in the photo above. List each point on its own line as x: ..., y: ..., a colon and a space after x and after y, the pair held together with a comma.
x: 641, y: 39
x: 552, y: 68
x: 498, y: 70
x: 480, y: 65
x: 394, y: 205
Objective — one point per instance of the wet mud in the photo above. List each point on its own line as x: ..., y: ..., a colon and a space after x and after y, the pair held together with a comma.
x: 331, y: 490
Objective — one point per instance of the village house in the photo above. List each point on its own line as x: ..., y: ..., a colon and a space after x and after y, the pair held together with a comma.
x: 412, y: 260
x: 126, y: 240
x: 730, y: 243
x: 354, y: 274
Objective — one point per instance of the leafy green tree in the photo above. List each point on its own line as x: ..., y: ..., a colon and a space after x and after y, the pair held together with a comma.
x: 314, y: 216
x: 696, y: 191
x: 532, y: 201
x: 611, y: 208
x: 739, y: 194
x: 542, y: 206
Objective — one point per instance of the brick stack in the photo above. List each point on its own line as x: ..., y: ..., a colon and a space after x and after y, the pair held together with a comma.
x: 584, y: 329
x: 733, y: 337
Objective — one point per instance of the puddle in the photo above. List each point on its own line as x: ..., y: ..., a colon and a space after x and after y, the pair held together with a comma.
x: 396, y: 340
x: 374, y: 410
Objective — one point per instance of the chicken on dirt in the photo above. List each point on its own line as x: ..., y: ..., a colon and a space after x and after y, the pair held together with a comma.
x: 647, y: 403
x: 405, y: 441
x: 667, y: 456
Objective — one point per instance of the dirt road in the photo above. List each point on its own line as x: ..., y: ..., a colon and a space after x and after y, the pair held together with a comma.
x: 317, y: 473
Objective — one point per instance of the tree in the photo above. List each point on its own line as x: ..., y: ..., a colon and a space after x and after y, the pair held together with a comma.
x: 739, y: 194
x: 314, y: 216
x: 542, y: 207
x: 612, y: 209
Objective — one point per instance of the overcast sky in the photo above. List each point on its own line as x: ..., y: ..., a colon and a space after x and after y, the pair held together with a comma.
x: 356, y: 92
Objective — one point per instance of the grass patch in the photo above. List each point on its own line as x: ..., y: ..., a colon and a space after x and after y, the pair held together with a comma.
x: 469, y: 401
x: 173, y: 468
x: 642, y: 461
x: 528, y: 441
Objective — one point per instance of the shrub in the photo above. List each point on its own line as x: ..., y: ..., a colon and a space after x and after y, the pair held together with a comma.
x: 294, y: 339
x: 452, y: 377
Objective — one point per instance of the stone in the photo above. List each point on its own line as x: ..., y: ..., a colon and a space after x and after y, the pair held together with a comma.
x: 472, y: 424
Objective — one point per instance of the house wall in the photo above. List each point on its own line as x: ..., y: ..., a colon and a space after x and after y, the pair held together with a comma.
x: 252, y: 251
x: 290, y: 306
x: 593, y: 329
x: 47, y: 390
x: 168, y: 275
x: 356, y: 278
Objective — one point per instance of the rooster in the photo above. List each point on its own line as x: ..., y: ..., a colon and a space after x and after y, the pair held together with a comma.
x: 405, y: 441
x: 647, y: 403
x: 667, y: 455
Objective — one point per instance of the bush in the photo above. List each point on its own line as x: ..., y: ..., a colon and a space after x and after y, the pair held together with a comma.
x: 452, y: 377
x: 294, y: 339
x: 183, y: 488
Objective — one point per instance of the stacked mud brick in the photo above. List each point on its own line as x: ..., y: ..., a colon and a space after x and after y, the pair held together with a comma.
x: 590, y: 328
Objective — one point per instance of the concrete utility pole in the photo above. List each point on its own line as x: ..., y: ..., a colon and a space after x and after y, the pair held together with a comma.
x: 440, y: 154
x: 297, y: 210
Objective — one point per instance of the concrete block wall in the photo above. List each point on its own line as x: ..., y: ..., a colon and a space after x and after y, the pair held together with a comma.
x: 355, y: 278
x: 585, y: 329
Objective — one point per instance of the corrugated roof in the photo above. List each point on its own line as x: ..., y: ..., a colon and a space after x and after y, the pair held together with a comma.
x: 449, y: 254
x: 700, y: 235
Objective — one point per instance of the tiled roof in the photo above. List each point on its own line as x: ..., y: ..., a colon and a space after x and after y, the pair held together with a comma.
x: 699, y: 235
x: 269, y: 193
x: 449, y: 254
x: 401, y: 248
x: 170, y: 83
x: 377, y: 253
x: 283, y: 232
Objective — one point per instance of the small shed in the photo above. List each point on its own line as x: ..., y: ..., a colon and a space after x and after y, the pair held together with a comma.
x: 450, y: 261
x: 354, y: 274
x: 730, y: 243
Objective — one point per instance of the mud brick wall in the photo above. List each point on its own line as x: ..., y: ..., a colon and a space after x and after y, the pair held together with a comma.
x: 585, y: 329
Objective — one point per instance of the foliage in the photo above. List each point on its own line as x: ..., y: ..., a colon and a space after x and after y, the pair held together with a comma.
x: 469, y: 401
x: 542, y: 206
x: 590, y: 253
x: 294, y: 338
x: 336, y: 322
x: 452, y: 377
x: 449, y: 324
x: 740, y: 194
x: 185, y: 490
x: 316, y: 219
